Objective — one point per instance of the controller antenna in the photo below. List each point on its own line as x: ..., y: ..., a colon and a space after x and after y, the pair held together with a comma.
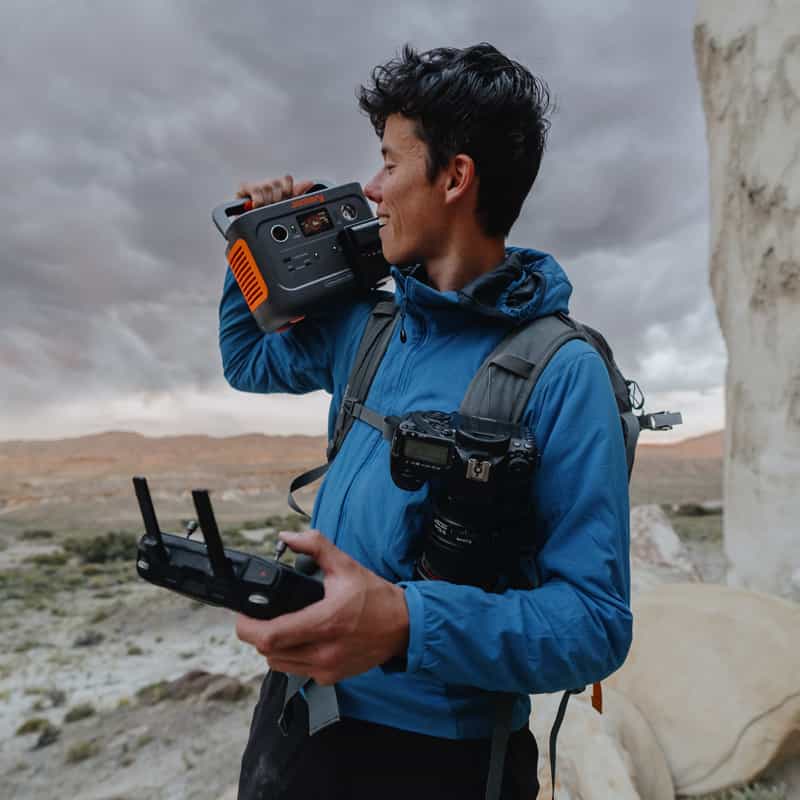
x: 149, y: 515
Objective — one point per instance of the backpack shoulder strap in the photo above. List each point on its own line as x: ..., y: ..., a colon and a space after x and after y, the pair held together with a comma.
x: 500, y: 390
x: 374, y: 341
x: 504, y: 382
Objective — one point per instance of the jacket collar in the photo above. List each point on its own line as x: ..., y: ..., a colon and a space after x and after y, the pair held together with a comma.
x: 527, y: 284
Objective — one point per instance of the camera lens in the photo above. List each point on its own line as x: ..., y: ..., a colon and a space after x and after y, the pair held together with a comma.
x: 348, y: 212
x: 279, y: 233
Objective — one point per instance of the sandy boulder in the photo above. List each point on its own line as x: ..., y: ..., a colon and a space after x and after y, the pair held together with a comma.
x: 614, y: 754
x: 716, y: 672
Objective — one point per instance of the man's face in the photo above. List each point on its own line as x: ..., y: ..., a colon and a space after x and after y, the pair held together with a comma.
x: 410, y: 209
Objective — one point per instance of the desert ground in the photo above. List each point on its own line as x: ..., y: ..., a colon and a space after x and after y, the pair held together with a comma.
x: 112, y: 688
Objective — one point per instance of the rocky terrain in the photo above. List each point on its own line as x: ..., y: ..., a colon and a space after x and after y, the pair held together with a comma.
x: 111, y: 688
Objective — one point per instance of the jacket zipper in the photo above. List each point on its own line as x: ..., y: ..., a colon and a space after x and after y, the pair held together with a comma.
x: 403, y: 336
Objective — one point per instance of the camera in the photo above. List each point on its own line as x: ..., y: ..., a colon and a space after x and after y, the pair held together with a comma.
x: 302, y: 254
x: 479, y: 472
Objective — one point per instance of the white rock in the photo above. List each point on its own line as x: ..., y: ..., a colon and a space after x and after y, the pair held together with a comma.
x: 600, y: 756
x: 716, y: 672
x: 657, y: 554
x: 748, y: 62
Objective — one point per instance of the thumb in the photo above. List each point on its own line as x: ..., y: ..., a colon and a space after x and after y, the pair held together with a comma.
x: 315, y: 544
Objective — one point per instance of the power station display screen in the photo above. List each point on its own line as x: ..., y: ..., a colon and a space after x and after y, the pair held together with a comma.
x: 315, y: 222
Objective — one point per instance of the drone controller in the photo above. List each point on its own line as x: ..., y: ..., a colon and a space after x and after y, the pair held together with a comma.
x: 263, y: 588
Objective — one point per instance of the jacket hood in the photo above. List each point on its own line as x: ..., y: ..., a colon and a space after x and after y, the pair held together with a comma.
x: 526, y: 285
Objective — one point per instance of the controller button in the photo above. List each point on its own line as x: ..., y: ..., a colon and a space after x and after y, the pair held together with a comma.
x: 258, y: 600
x: 142, y: 564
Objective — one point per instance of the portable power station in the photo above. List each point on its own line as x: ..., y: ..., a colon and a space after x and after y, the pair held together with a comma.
x: 304, y: 253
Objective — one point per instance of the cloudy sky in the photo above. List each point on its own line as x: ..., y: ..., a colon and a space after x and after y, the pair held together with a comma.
x: 124, y: 124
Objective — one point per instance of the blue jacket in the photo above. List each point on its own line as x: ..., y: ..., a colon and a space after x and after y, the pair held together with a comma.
x: 575, y: 627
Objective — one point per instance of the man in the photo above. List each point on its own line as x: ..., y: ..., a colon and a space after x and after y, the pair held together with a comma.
x: 415, y: 662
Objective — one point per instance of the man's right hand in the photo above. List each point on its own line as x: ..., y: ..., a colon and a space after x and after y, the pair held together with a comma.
x: 272, y: 191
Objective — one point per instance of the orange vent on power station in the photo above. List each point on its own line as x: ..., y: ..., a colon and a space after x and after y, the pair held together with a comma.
x: 247, y: 274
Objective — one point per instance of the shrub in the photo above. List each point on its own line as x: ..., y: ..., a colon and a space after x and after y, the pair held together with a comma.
x: 36, y: 533
x: 47, y: 736
x: 752, y: 791
x: 56, y: 559
x: 88, y: 639
x: 79, y: 712
x: 291, y: 522
x: 32, y: 725
x: 153, y: 693
x: 81, y: 751
x: 110, y: 546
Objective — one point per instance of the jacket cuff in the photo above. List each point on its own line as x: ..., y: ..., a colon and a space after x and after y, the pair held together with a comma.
x: 416, y: 626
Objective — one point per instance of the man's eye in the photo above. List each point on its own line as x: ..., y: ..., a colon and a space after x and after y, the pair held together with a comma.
x: 389, y: 167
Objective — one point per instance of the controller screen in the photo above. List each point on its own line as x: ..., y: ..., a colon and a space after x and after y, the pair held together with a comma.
x: 315, y: 222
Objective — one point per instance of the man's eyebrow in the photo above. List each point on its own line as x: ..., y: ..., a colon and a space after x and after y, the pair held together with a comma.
x: 385, y: 150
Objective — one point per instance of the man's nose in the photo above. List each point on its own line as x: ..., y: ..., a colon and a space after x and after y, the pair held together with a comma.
x: 373, y: 190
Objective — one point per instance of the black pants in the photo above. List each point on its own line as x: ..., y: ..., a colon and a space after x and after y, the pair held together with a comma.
x: 354, y: 759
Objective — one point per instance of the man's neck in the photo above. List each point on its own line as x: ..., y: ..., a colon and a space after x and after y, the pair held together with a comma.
x: 463, y: 261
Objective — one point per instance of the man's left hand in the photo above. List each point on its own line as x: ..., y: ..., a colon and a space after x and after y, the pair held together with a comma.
x: 361, y: 622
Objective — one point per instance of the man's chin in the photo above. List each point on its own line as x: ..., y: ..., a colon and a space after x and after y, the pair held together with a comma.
x: 399, y: 258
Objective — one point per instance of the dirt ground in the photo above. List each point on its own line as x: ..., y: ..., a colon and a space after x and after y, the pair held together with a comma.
x: 83, y: 638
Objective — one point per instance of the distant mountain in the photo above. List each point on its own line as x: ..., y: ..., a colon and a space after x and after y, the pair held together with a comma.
x: 709, y: 445
x: 119, y: 450
x: 68, y: 475
x: 249, y: 448
x: 689, y: 471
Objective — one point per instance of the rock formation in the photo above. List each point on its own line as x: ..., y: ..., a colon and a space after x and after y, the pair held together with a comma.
x: 657, y: 554
x: 610, y: 755
x: 748, y: 62
x: 714, y: 670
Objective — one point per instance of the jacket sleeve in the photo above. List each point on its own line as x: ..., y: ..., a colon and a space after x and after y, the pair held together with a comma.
x: 297, y: 361
x: 575, y: 627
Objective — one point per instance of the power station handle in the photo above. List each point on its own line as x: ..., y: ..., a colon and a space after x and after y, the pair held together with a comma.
x: 233, y: 208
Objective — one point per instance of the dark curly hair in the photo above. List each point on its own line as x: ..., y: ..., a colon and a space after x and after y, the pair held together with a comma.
x: 474, y: 101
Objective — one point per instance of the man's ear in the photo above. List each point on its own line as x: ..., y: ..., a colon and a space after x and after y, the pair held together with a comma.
x: 463, y: 175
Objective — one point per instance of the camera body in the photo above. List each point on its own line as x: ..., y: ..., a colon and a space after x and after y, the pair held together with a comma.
x: 302, y: 254
x: 479, y: 470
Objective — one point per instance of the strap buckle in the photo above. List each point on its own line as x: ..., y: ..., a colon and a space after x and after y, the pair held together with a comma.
x: 660, y: 420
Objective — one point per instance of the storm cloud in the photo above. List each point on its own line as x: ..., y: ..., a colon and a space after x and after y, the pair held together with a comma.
x: 124, y: 124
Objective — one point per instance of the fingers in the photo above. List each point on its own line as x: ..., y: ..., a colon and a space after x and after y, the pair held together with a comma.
x: 316, y: 661
x: 294, y: 629
x: 314, y: 544
x: 299, y: 660
x: 274, y: 190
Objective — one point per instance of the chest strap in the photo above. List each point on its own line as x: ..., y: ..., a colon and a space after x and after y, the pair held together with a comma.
x: 350, y: 410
